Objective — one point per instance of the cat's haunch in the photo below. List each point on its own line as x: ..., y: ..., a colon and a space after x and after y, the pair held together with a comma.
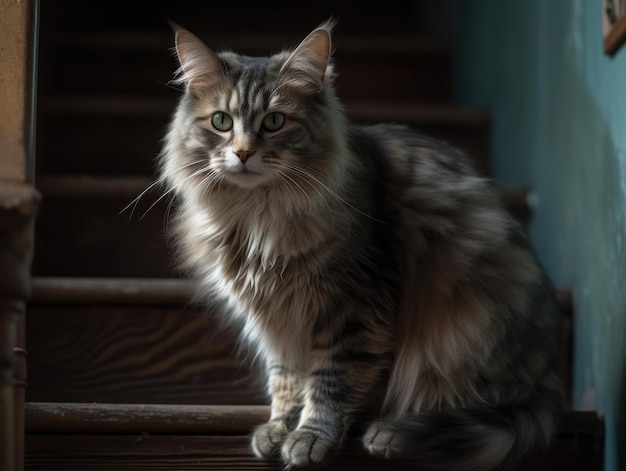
x: 358, y: 258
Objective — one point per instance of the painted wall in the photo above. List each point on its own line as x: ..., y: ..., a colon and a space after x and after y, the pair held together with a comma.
x: 559, y: 127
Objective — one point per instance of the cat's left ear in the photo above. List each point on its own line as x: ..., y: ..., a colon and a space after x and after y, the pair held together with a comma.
x: 306, y: 68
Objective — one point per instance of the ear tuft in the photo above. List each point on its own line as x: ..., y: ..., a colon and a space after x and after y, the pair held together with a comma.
x: 306, y: 68
x: 198, y: 63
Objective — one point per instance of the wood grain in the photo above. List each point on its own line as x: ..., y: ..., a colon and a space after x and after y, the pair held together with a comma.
x: 103, y: 341
x: 15, y: 73
x: 576, y: 449
x: 111, y: 291
x: 49, y: 417
x: 134, y: 354
x: 18, y: 206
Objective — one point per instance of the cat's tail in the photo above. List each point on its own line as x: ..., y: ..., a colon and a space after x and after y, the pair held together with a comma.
x: 467, y: 439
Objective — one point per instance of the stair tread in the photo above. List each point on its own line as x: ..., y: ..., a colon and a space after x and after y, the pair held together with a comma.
x: 115, y: 436
x: 42, y: 417
x: 77, y: 290
x: 74, y: 290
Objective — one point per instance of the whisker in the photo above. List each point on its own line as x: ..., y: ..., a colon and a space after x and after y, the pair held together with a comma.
x: 197, y: 172
x: 333, y: 193
x: 158, y: 181
x: 211, y: 177
x: 135, y: 201
x: 285, y: 175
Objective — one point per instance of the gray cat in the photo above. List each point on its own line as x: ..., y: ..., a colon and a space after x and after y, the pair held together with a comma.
x: 358, y: 260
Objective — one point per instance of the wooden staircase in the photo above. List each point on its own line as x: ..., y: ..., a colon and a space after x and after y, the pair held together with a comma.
x: 124, y: 371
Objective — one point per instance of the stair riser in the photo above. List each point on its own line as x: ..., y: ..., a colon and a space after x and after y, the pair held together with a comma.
x: 110, y: 244
x: 138, y: 354
x: 102, y: 241
x: 147, y: 73
x: 127, y: 144
x: 223, y: 453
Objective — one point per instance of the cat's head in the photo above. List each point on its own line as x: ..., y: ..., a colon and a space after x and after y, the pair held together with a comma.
x: 250, y: 122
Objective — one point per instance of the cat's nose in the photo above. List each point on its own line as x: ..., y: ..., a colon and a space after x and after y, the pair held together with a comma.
x: 244, y: 155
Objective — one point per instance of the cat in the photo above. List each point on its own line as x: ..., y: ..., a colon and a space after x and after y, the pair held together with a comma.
x: 355, y: 258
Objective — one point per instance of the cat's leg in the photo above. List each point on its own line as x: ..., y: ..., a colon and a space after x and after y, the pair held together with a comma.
x: 285, y: 389
x: 332, y: 395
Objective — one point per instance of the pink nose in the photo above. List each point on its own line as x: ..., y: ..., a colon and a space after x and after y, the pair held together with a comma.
x: 244, y: 154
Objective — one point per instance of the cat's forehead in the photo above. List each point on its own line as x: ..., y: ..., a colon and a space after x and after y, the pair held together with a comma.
x: 251, y: 81
x: 241, y: 66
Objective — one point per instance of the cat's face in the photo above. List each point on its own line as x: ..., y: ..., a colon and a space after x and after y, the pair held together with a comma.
x: 256, y: 121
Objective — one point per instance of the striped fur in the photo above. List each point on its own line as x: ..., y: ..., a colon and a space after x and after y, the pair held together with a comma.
x: 356, y: 260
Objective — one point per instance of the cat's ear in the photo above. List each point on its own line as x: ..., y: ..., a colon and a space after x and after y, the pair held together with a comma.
x: 199, y: 65
x: 306, y: 68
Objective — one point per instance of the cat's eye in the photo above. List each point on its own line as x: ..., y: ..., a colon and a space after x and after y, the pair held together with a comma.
x: 273, y: 121
x: 222, y: 121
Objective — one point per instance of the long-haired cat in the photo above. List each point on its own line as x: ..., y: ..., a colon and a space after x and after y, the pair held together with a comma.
x: 353, y: 257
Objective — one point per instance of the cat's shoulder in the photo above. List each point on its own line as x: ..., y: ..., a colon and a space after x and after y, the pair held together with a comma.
x: 402, y: 152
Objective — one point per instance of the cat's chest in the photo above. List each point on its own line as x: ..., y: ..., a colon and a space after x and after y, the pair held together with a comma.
x: 264, y: 272
x: 278, y: 304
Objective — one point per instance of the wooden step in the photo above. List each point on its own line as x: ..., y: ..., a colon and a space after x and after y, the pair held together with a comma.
x: 398, y: 67
x: 122, y: 136
x: 120, y: 436
x: 98, y: 239
x: 136, y: 341
x: 131, y: 341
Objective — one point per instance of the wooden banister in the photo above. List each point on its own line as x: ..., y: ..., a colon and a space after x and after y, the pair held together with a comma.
x: 18, y: 203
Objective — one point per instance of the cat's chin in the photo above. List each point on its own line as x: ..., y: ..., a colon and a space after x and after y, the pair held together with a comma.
x: 245, y: 180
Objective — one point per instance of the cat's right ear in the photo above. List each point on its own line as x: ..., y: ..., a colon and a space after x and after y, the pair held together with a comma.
x: 199, y: 65
x: 308, y: 64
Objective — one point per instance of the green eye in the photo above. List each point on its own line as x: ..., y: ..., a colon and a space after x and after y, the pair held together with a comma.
x: 222, y: 122
x: 273, y: 121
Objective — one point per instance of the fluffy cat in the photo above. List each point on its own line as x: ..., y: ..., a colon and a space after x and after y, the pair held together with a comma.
x: 354, y: 259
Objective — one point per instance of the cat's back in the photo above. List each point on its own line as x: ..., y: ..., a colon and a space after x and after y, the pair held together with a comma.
x: 423, y: 173
x: 410, y: 153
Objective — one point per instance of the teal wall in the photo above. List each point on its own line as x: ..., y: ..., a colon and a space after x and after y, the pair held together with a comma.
x: 559, y: 127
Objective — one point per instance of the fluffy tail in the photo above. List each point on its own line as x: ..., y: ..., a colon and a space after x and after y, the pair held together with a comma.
x: 476, y: 440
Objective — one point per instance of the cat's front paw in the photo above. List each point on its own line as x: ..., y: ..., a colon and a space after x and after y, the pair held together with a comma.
x: 305, y: 447
x: 382, y: 439
x: 268, y: 438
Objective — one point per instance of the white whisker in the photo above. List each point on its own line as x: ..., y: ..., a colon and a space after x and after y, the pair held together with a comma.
x: 158, y: 181
x: 290, y: 179
x: 173, y: 188
x: 332, y: 193
x: 322, y: 195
